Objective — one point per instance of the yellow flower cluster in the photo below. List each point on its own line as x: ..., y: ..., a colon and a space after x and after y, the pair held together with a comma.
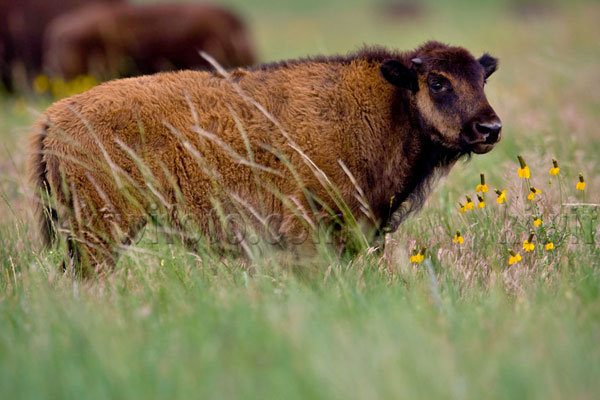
x: 525, y: 173
x: 581, y: 184
x: 60, y: 88
x: 469, y: 205
x: 528, y: 244
x: 501, y: 196
x: 418, y: 256
x: 458, y: 238
x: 532, y: 193
x: 481, y: 202
x: 523, y: 170
x: 555, y: 169
x: 514, y: 258
x: 482, y: 187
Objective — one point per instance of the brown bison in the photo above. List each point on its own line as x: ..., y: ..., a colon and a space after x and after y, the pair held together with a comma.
x: 22, y: 26
x: 358, y: 137
x: 110, y: 41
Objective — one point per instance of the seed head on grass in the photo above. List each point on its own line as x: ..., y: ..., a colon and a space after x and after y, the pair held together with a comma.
x: 523, y: 170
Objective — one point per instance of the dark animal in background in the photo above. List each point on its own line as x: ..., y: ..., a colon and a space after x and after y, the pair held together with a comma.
x: 402, y: 9
x: 110, y: 41
x: 395, y: 120
x: 22, y: 26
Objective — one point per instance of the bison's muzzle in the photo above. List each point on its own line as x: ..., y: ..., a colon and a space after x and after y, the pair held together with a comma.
x: 481, y: 136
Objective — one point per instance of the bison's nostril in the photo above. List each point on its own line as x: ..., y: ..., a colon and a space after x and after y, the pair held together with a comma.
x: 489, y: 131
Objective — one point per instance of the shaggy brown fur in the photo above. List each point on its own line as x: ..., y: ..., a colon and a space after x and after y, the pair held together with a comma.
x: 207, y: 142
x: 22, y: 26
x: 112, y: 41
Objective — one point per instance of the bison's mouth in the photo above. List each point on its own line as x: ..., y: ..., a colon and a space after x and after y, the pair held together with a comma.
x: 479, y: 137
x: 477, y: 148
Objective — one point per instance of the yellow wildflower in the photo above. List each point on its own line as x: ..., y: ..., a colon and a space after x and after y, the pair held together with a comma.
x: 532, y: 193
x: 417, y: 256
x: 555, y: 169
x: 162, y: 263
x: 462, y: 207
x: 41, y: 84
x: 481, y: 202
x: 537, y: 221
x: 501, y: 196
x: 549, y: 246
x: 482, y: 187
x: 528, y: 244
x: 469, y: 204
x: 89, y: 82
x: 458, y: 238
x: 514, y: 258
x: 581, y: 184
x: 58, y: 88
x: 523, y: 171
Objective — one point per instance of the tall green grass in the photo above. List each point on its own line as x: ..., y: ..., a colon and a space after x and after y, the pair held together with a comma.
x: 360, y: 330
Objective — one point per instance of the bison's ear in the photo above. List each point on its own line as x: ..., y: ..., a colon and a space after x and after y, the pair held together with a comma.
x: 399, y: 75
x: 489, y: 64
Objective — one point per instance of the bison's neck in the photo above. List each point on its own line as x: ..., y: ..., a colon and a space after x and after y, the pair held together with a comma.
x: 425, y: 161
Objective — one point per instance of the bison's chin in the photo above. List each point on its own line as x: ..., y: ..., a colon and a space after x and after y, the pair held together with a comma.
x: 482, y: 148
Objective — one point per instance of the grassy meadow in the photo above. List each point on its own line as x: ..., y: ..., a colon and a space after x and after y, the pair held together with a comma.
x: 468, y: 320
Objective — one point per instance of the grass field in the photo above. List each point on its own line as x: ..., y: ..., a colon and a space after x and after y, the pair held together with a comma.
x: 461, y: 324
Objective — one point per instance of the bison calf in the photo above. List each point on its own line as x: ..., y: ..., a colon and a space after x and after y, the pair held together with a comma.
x: 360, y: 136
x: 116, y: 40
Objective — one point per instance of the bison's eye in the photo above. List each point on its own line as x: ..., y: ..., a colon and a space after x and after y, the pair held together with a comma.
x: 437, y: 87
x: 438, y: 84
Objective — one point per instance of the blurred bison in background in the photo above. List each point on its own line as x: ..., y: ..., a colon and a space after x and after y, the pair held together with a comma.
x: 22, y: 26
x: 116, y: 40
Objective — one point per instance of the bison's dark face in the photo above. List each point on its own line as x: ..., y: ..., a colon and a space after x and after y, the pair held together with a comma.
x: 446, y: 86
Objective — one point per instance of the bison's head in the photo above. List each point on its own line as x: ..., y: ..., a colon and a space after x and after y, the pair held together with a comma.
x: 446, y: 86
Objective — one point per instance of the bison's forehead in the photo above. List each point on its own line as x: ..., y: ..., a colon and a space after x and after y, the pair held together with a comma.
x: 454, y: 61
